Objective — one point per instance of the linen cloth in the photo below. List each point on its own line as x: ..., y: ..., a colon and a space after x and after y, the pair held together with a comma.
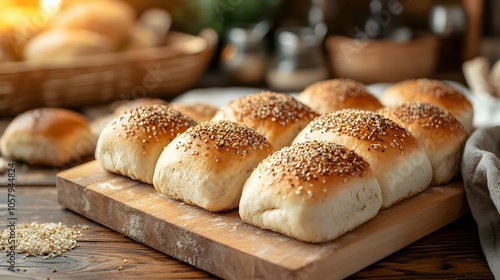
x: 481, y: 174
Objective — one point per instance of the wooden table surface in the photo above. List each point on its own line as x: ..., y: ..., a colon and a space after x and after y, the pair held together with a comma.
x: 452, y: 252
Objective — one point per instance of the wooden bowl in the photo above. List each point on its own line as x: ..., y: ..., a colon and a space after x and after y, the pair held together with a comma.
x: 377, y: 61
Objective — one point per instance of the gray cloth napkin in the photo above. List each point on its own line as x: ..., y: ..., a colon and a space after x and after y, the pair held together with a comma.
x: 481, y: 173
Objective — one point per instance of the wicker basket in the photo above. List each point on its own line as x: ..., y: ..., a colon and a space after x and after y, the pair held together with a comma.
x: 382, y: 60
x: 162, y: 71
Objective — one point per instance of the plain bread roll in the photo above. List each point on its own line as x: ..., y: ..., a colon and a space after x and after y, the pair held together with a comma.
x: 48, y: 136
x: 110, y: 18
x: 66, y: 43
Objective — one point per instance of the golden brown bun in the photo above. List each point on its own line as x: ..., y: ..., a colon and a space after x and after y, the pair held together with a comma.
x: 48, y: 136
x: 110, y: 18
x: 397, y: 159
x: 131, y: 144
x: 434, y: 92
x: 440, y: 134
x: 279, y: 117
x: 208, y: 164
x: 336, y: 94
x: 199, y: 112
x: 312, y: 191
x: 66, y: 43
x: 127, y: 105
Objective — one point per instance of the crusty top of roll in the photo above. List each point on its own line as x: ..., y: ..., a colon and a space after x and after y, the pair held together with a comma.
x: 277, y: 107
x: 336, y: 94
x: 425, y: 115
x: 225, y: 137
x: 147, y: 123
x: 48, y: 122
x: 137, y: 102
x: 429, y: 91
x: 312, y: 169
x: 365, y: 125
x: 198, y: 111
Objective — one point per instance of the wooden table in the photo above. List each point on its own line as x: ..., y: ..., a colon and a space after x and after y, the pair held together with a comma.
x: 451, y: 252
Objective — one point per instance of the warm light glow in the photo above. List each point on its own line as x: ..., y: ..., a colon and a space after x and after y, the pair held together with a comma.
x: 50, y: 7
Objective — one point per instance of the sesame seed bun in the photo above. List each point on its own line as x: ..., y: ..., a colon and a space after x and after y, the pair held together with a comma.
x: 198, y: 111
x: 131, y: 144
x: 48, y: 136
x: 440, y: 134
x: 396, y: 157
x: 208, y: 164
x: 336, y: 94
x: 311, y: 191
x: 279, y: 117
x: 127, y: 105
x: 433, y: 92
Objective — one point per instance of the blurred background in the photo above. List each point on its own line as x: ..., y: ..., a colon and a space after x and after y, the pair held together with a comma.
x: 71, y: 52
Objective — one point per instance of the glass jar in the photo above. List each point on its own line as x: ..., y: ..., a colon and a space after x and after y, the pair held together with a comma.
x: 298, y: 60
x: 244, y: 56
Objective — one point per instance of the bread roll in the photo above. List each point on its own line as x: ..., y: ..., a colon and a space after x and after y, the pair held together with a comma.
x: 127, y: 105
x: 199, y: 112
x: 336, y: 94
x: 131, y: 144
x: 279, y: 117
x: 66, y: 43
x: 440, y: 134
x: 312, y: 191
x: 397, y: 159
x: 208, y: 164
x: 110, y: 18
x: 434, y: 92
x: 48, y: 136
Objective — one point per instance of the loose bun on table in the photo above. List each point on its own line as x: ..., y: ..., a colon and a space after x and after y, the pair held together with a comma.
x: 110, y: 18
x: 311, y: 191
x: 336, y: 94
x: 434, y: 92
x: 397, y: 159
x: 440, y: 134
x: 131, y: 144
x: 279, y: 117
x: 127, y: 105
x: 198, y: 111
x: 66, y: 43
x: 48, y: 136
x: 208, y: 164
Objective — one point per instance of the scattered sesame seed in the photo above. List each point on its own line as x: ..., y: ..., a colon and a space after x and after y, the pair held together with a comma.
x: 47, y: 239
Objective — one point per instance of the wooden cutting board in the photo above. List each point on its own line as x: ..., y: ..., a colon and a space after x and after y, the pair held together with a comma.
x: 222, y: 244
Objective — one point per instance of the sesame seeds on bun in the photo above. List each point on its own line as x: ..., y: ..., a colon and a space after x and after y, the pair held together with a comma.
x: 336, y: 94
x: 208, y: 164
x: 397, y: 159
x: 133, y: 141
x: 278, y: 117
x: 312, y: 191
x: 441, y: 135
